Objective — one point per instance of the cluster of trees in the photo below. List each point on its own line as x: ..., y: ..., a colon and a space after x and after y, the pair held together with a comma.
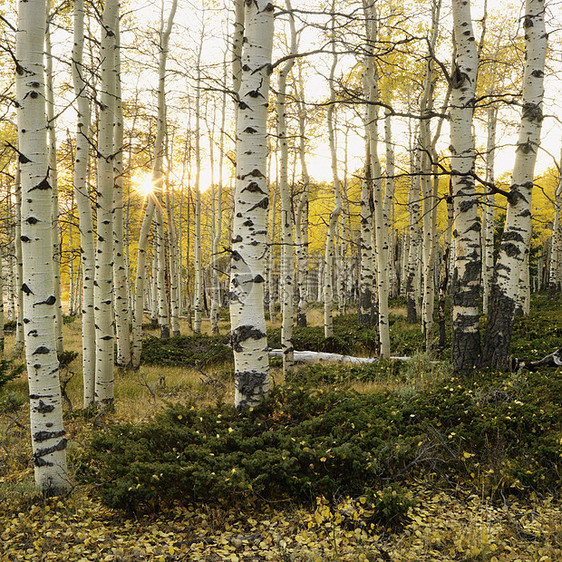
x: 401, y: 215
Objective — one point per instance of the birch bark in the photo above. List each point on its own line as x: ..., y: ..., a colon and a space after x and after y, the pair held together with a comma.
x: 518, y: 223
x: 554, y: 264
x: 120, y: 270
x: 103, y: 281
x: 248, y: 335
x: 157, y: 183
x: 82, y: 196
x: 47, y: 433
x: 287, y: 249
x: 467, y: 268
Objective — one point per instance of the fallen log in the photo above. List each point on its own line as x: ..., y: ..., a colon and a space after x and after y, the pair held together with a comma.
x: 552, y: 360
x: 319, y: 356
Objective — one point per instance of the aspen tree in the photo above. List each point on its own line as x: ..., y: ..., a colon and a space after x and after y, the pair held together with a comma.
x: 53, y: 175
x: 301, y: 213
x: 328, y: 292
x: 18, y: 266
x: 39, y: 302
x: 82, y: 196
x: 287, y: 250
x: 103, y: 281
x: 554, y: 264
x: 120, y: 270
x: 248, y: 336
x: 381, y: 233
x: 467, y: 268
x: 197, y: 237
x: 157, y: 182
x: 516, y: 237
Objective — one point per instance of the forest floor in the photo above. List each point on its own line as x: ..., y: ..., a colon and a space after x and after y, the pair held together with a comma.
x: 449, y: 521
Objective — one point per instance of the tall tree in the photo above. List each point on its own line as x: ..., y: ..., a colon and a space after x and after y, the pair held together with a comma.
x: 47, y: 433
x: 516, y: 237
x: 249, y: 341
x: 103, y: 281
x: 467, y: 268
x: 82, y: 196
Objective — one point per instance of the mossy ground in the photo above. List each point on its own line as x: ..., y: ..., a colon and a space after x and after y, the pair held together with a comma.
x: 460, y: 511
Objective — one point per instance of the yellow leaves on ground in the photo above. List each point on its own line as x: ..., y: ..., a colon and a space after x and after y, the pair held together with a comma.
x: 442, y: 527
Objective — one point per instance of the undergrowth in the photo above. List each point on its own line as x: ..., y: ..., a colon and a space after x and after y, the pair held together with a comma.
x: 495, y: 432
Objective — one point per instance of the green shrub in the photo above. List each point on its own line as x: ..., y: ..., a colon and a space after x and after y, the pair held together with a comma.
x: 9, y: 371
x: 196, y: 350
x: 493, y: 432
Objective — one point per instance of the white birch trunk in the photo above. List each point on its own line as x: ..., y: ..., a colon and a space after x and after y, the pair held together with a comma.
x: 518, y: 223
x: 301, y: 214
x: 554, y: 263
x: 381, y: 233
x: 39, y: 303
x: 197, y: 241
x: 53, y: 176
x: 157, y: 184
x: 287, y: 288
x: 248, y: 335
x: 328, y: 292
x: 468, y: 263
x: 120, y: 271
x: 18, y: 268
x: 82, y: 196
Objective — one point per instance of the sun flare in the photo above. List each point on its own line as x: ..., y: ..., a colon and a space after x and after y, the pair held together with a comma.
x: 144, y: 185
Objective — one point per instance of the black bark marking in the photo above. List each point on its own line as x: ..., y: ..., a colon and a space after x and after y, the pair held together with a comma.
x: 25, y: 289
x: 41, y: 436
x: 41, y: 350
x: 43, y: 408
x: 263, y: 204
x: 50, y: 301
x: 40, y: 453
x: 249, y: 383
x: 42, y: 185
x: 243, y: 333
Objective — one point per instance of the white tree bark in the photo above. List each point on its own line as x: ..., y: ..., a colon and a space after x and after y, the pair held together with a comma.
x: 248, y: 335
x: 82, y: 196
x: 39, y: 302
x: 53, y: 175
x: 554, y: 264
x: 381, y: 232
x: 197, y: 240
x: 301, y: 213
x: 466, y: 294
x: 157, y: 184
x: 287, y: 288
x: 120, y: 270
x: 328, y: 292
x: 18, y: 273
x: 516, y: 237
x: 103, y: 281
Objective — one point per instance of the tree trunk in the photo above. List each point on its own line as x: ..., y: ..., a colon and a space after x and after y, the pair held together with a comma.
x: 467, y: 268
x: 82, y: 196
x: 554, y: 264
x: 157, y: 183
x: 517, y: 232
x: 120, y: 271
x: 103, y: 283
x: 39, y: 302
x: 248, y: 335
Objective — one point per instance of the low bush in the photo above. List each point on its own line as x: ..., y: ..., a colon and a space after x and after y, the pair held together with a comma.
x: 492, y: 431
x: 9, y: 371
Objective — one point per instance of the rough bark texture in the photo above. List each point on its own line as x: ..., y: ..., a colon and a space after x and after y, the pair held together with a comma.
x: 466, y: 275
x: 247, y: 314
x: 39, y: 302
x: 515, y: 240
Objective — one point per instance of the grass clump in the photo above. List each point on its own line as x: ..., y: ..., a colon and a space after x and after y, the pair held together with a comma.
x: 9, y: 371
